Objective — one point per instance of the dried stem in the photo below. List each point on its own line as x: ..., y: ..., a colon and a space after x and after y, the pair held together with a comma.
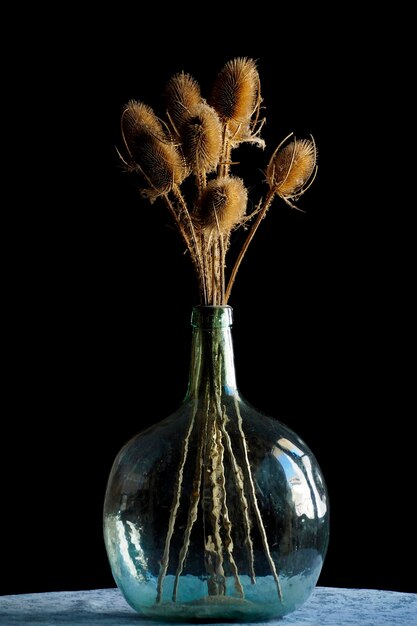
x: 174, y: 507
x: 221, y: 432
x: 239, y: 483
x: 259, y: 218
x: 255, y: 505
x: 192, y: 512
x: 223, y: 166
x: 215, y: 479
x: 194, y: 248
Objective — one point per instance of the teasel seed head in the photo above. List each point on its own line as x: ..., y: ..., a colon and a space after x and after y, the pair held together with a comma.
x: 292, y: 168
x: 182, y: 96
x: 138, y: 119
x: 150, y: 152
x: 222, y: 204
x: 201, y: 136
x: 236, y: 97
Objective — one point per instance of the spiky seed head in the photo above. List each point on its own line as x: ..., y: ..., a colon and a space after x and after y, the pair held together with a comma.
x: 139, y: 118
x: 223, y: 204
x: 291, y: 167
x: 201, y: 136
x: 150, y: 152
x: 182, y: 96
x: 235, y: 94
x: 160, y: 165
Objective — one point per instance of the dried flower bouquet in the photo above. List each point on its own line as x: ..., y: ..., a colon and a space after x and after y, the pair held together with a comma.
x: 198, y: 139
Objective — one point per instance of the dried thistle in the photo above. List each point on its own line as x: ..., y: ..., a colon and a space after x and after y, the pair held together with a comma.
x: 236, y: 97
x: 290, y: 169
x: 139, y: 119
x: 221, y: 208
x: 150, y: 152
x: 182, y: 97
x: 201, y: 135
x: 198, y: 138
x: 223, y: 205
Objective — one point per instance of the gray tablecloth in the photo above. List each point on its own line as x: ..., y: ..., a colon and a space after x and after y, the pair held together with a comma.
x: 327, y: 606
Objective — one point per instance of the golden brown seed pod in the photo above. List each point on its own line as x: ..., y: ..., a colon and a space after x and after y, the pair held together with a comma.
x: 159, y: 163
x: 182, y: 96
x: 149, y: 151
x: 139, y: 118
x: 201, y: 136
x: 236, y: 96
x: 223, y: 204
x: 291, y: 168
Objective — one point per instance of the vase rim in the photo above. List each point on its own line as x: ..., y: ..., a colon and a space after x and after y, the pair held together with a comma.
x: 212, y: 306
x: 212, y: 316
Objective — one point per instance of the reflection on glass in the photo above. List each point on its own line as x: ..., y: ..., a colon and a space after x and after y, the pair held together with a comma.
x: 306, y: 495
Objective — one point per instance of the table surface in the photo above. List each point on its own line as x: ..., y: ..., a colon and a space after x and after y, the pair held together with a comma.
x: 327, y: 606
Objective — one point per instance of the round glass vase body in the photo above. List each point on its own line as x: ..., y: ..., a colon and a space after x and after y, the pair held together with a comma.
x: 218, y: 512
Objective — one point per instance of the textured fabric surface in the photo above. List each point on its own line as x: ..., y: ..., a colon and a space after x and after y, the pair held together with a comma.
x: 327, y: 606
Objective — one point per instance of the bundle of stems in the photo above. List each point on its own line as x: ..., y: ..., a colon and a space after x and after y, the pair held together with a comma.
x: 197, y: 140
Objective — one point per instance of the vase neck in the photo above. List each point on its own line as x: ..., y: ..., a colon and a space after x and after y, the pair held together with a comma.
x: 212, y: 360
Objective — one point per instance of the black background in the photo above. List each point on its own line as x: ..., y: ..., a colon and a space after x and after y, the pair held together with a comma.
x: 99, y: 292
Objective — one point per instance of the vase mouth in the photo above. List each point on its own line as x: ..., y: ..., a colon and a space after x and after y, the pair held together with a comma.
x: 209, y: 316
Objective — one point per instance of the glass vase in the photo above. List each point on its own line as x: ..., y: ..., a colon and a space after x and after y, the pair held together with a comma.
x: 218, y: 512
